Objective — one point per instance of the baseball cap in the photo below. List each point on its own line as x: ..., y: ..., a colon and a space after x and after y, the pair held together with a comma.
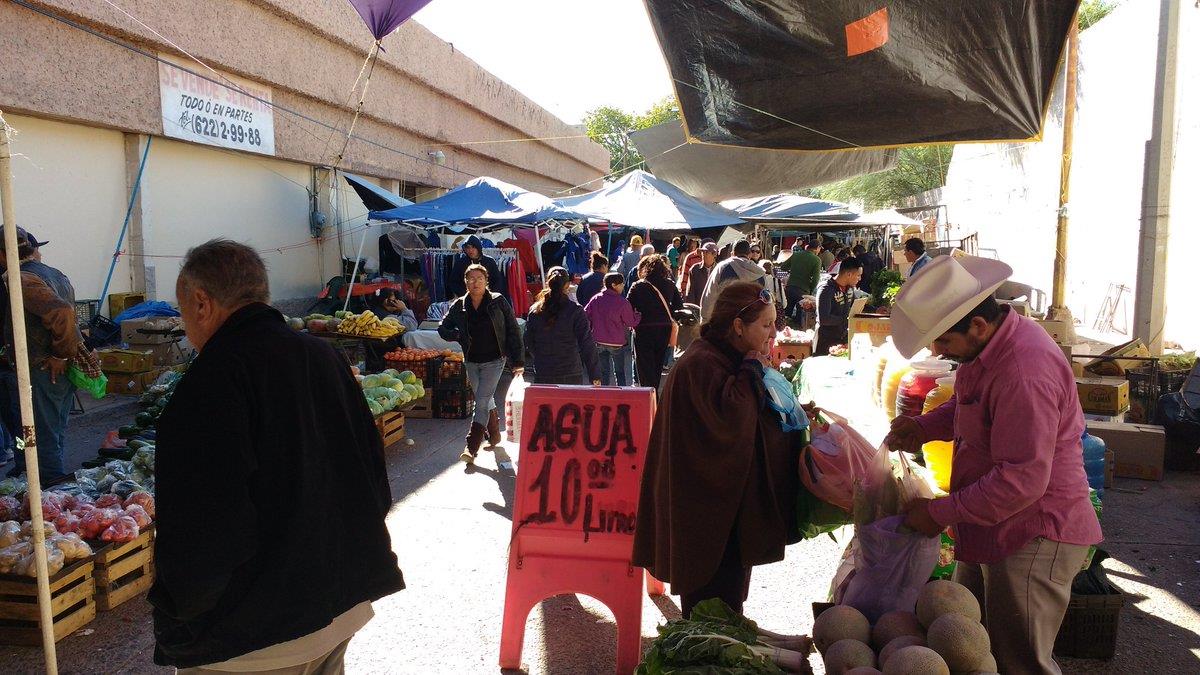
x: 24, y: 245
x: 710, y: 247
x: 33, y: 240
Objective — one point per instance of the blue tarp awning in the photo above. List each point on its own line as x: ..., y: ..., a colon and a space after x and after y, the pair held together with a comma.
x: 481, y: 201
x: 789, y: 207
x: 642, y: 201
x: 374, y: 197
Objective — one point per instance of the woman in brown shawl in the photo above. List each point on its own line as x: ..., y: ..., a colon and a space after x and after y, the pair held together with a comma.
x: 719, y: 490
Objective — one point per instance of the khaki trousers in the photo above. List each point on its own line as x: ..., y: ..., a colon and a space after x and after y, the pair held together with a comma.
x: 1024, y: 598
x: 332, y: 663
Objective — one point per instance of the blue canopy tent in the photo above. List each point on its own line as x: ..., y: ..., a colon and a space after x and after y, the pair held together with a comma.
x: 643, y: 201
x: 789, y: 207
x: 481, y: 201
x: 374, y: 197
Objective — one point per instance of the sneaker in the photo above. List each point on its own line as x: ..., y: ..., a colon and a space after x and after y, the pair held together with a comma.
x: 467, y: 457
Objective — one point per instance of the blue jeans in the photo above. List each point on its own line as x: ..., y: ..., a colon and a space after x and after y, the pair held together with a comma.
x: 483, y: 378
x: 51, y: 406
x: 616, y: 365
x: 10, y: 411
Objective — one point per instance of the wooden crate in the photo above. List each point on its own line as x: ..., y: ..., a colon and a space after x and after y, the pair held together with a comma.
x: 72, y: 604
x: 422, y: 408
x: 391, y: 427
x: 124, y: 571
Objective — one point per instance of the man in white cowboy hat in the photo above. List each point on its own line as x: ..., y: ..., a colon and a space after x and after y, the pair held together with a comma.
x: 1018, y: 502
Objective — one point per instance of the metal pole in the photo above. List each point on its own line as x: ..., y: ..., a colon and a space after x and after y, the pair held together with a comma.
x: 1058, y: 304
x: 1149, y: 307
x: 354, y: 274
x: 25, y: 395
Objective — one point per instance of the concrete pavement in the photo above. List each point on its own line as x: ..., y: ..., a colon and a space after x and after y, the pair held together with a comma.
x: 450, y: 527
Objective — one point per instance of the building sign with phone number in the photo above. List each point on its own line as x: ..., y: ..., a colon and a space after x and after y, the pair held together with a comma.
x: 222, y: 110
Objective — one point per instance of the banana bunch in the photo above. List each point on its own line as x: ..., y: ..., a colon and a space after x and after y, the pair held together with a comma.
x: 369, y: 325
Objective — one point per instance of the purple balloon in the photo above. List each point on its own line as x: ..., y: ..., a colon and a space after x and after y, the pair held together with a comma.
x: 384, y: 16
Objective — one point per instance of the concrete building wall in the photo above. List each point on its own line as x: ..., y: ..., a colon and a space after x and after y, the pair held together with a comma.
x: 424, y: 96
x: 85, y: 107
x: 193, y: 193
x: 69, y: 188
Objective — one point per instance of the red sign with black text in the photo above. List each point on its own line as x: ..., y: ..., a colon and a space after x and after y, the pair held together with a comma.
x: 575, y: 510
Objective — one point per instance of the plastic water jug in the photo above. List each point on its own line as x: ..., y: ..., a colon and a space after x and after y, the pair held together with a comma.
x: 1093, y: 462
x: 917, y: 383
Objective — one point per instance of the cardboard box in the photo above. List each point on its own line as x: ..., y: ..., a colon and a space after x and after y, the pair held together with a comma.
x: 122, y: 361
x: 171, y: 354
x: 1117, y: 367
x: 1058, y: 330
x: 132, y: 383
x: 794, y: 351
x: 1103, y: 395
x: 130, y: 331
x: 878, y: 326
x: 1138, y: 449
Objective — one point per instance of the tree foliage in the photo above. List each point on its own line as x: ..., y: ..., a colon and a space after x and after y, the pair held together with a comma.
x: 1091, y: 11
x: 918, y: 168
x: 610, y: 127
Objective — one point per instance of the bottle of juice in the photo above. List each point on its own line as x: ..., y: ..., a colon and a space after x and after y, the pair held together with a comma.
x: 886, y: 353
x: 939, y: 455
x: 910, y: 395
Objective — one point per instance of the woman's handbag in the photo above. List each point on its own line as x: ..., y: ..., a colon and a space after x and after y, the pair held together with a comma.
x: 674, y: 338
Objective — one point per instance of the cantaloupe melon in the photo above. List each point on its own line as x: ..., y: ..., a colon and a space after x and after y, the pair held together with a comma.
x: 988, y: 667
x: 894, y: 624
x: 916, y: 661
x: 962, y: 643
x: 846, y: 654
x: 944, y: 597
x: 840, y: 622
x: 898, y: 644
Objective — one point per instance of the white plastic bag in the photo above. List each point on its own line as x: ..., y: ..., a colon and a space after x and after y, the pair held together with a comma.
x: 514, y: 403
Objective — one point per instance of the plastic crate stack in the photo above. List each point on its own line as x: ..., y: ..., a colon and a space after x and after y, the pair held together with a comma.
x: 452, y: 398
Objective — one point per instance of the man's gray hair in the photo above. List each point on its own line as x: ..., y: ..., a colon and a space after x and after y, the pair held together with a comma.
x: 233, y: 274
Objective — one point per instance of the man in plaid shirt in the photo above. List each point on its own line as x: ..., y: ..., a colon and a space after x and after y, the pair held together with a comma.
x: 53, y: 341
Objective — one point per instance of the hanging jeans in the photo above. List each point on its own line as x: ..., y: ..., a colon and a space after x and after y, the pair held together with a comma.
x: 51, y: 406
x: 616, y: 365
x: 483, y: 378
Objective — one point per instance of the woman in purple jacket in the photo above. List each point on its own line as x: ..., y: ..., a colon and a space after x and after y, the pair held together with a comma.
x: 612, y: 316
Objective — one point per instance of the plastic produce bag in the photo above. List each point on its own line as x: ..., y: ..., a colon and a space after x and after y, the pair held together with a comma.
x: 10, y: 533
x: 514, y: 405
x: 781, y: 399
x: 123, y: 529
x: 96, y: 386
x: 67, y: 522
x: 139, y: 516
x: 10, y: 508
x: 838, y: 459
x: 891, y: 565
x: 142, y: 499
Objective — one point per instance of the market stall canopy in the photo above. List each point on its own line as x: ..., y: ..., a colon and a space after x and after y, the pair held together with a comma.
x: 374, y: 197
x: 891, y: 217
x: 787, y: 206
x: 481, y: 201
x: 804, y: 75
x: 643, y: 201
x: 720, y: 172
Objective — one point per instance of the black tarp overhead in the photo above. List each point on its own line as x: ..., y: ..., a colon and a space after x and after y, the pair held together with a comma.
x: 837, y: 74
x: 719, y: 172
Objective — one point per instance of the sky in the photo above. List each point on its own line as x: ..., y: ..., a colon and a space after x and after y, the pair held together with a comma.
x: 568, y: 56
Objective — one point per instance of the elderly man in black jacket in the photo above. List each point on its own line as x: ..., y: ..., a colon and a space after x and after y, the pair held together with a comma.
x: 271, y: 487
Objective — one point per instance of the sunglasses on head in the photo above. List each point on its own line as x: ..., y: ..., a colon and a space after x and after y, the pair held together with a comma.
x: 764, y: 296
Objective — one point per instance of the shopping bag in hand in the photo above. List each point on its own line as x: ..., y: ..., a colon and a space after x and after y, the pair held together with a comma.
x: 891, y: 565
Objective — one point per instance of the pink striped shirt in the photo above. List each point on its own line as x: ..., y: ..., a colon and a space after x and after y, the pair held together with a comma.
x: 1018, y: 459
